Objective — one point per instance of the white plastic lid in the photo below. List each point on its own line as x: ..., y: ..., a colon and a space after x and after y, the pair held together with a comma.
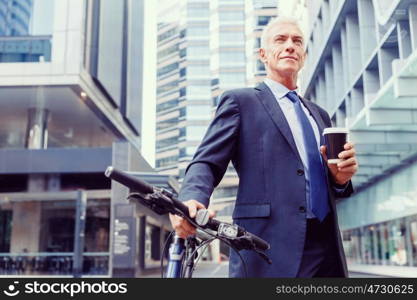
x: 335, y: 130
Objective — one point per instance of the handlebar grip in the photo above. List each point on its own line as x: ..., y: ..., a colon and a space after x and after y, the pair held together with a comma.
x: 129, y: 181
x: 181, y: 206
x: 260, y: 243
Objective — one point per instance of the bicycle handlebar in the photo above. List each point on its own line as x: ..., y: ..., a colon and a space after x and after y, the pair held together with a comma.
x: 170, y: 203
x: 129, y: 181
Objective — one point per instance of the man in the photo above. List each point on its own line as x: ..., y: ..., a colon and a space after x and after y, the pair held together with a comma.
x: 287, y: 190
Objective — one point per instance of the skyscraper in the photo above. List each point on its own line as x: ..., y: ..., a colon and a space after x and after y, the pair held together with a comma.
x: 15, y: 17
x: 183, y: 88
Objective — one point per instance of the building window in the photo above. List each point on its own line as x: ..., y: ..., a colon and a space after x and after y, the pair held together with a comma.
x: 183, y: 112
x: 196, y: 133
x: 161, y: 125
x: 227, y: 16
x: 173, y: 85
x: 183, y: 131
x: 199, y: 92
x: 198, y: 52
x: 167, y: 69
x: 258, y: 42
x: 26, y: 33
x: 260, y: 66
x: 398, y: 254
x: 225, y: 192
x: 167, y: 34
x: 388, y: 243
x: 160, y: 144
x: 198, y: 31
x: 230, y: 58
x: 166, y: 105
x: 413, y: 234
x: 232, y: 38
x: 168, y: 51
x: 235, y: 79
x: 198, y: 70
x: 199, y: 112
x: 168, y: 161
x: 183, y: 92
x: 198, y: 12
x: 263, y: 20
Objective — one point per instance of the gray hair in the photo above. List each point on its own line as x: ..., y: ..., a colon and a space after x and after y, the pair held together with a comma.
x: 273, y: 22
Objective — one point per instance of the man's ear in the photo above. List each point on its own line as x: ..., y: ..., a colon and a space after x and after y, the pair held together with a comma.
x: 262, y: 55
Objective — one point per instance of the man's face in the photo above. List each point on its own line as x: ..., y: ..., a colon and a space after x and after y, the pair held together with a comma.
x: 284, y: 50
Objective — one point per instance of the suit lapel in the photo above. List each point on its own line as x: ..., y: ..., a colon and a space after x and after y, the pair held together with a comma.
x: 274, y: 110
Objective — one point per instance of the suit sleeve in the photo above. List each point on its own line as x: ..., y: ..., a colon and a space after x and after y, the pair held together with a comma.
x: 213, y: 155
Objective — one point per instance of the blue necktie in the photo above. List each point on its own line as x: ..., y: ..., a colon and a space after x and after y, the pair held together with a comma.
x: 318, y: 183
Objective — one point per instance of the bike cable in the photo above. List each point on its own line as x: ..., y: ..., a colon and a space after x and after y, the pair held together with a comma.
x: 164, y: 250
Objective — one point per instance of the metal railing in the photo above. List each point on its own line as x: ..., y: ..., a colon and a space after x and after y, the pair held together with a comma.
x: 54, y: 264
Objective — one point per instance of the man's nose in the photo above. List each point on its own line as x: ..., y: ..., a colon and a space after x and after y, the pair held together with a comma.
x: 289, y: 46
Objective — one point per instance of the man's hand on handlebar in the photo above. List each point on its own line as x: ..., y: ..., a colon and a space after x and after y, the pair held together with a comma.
x: 182, y: 227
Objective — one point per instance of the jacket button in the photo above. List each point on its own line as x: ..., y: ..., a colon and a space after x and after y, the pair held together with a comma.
x: 302, y: 209
x: 300, y: 172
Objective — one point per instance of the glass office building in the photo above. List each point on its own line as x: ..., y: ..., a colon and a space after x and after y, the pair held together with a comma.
x: 204, y: 48
x: 362, y: 58
x: 70, y: 105
x: 183, y: 83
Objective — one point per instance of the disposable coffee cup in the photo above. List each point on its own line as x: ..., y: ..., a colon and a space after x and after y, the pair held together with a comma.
x: 335, y: 139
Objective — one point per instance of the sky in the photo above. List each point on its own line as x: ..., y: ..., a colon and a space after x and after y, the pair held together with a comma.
x: 42, y: 23
x: 149, y: 86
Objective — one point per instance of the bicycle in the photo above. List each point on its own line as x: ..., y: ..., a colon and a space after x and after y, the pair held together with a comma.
x: 183, y: 253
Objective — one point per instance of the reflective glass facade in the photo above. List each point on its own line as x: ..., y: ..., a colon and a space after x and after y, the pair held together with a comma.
x: 359, y: 54
x: 70, y: 105
x: 183, y: 91
x: 204, y: 48
x: 26, y: 30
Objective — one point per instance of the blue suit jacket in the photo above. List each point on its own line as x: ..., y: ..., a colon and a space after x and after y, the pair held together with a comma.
x: 250, y: 129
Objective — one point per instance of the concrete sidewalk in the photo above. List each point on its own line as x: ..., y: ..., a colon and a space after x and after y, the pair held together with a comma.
x: 221, y: 270
x: 384, y: 271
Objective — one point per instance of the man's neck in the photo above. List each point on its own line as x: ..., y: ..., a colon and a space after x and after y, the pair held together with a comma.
x: 288, y: 81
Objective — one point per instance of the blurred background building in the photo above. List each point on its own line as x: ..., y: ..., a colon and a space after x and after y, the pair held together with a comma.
x: 362, y: 68
x: 70, y: 96
x: 204, y: 48
x: 71, y: 105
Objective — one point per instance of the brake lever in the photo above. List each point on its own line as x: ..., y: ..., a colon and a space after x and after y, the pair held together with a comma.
x: 245, y: 242
x: 264, y: 256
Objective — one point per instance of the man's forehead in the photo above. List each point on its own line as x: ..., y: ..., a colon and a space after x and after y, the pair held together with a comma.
x: 285, y: 28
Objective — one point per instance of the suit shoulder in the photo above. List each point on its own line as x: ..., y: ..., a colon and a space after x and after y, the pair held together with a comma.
x: 318, y: 107
x: 239, y: 95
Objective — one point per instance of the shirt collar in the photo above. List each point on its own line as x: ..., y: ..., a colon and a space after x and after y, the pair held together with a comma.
x: 278, y: 89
